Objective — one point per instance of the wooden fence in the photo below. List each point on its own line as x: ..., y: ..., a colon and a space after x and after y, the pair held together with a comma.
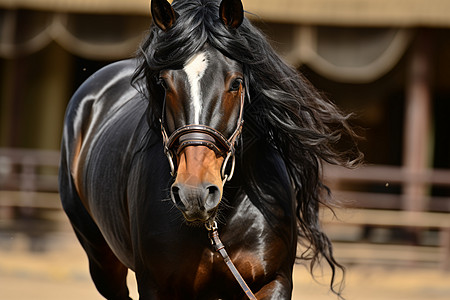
x: 381, y: 203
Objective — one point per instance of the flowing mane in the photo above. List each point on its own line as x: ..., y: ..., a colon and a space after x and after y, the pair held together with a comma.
x: 283, y: 109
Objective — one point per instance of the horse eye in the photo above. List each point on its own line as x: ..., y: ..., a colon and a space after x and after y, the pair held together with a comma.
x: 235, y: 85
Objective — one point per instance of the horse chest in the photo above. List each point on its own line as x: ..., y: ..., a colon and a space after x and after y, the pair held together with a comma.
x: 212, y: 270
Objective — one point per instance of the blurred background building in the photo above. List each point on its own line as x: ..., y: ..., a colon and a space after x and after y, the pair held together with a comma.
x: 388, y: 61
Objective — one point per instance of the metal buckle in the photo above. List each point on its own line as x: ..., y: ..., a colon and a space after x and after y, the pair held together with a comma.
x: 211, y: 225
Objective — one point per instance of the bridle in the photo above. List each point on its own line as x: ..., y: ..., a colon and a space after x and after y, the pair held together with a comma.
x: 203, y: 135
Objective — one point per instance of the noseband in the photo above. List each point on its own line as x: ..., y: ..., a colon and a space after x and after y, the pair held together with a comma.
x: 203, y: 135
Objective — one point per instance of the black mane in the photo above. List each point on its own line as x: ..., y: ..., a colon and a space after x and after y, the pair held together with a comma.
x: 293, y: 117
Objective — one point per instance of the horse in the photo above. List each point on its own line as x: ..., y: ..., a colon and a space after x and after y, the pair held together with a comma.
x: 205, y: 130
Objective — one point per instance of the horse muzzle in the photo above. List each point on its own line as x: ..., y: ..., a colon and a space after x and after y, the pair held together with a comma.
x: 197, y: 203
x: 197, y: 190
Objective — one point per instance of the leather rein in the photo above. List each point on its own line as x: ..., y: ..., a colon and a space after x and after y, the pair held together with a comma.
x: 219, y: 247
x: 203, y: 135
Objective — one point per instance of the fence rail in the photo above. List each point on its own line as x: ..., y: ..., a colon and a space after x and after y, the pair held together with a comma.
x: 344, y: 180
x: 388, y: 174
x: 29, y: 170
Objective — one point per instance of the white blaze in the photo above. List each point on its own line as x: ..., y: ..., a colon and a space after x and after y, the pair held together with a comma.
x: 195, y: 69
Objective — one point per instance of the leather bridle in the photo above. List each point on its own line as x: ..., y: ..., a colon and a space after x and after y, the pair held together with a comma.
x: 203, y: 135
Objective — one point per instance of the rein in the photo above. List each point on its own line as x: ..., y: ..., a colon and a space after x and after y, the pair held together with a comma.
x: 219, y: 247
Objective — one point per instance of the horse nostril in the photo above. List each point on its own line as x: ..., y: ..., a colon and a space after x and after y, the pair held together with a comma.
x: 176, y: 198
x: 196, y: 203
x: 213, y: 197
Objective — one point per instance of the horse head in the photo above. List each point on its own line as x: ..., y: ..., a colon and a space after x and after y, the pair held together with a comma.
x: 201, y: 118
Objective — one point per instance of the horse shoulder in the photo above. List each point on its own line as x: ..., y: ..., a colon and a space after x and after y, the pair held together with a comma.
x: 92, y: 106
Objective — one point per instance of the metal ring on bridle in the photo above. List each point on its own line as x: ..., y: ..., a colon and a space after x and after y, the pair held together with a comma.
x: 227, y: 177
x: 211, y: 225
x: 171, y: 164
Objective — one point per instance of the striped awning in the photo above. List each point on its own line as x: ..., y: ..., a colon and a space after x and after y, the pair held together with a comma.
x: 398, y: 13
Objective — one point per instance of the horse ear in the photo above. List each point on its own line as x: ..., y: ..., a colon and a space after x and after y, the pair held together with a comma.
x: 163, y: 14
x: 232, y: 13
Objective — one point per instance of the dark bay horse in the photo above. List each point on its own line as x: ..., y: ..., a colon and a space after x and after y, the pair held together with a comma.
x: 156, y: 147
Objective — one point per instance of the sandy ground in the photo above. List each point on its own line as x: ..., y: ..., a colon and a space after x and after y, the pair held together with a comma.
x: 62, y: 274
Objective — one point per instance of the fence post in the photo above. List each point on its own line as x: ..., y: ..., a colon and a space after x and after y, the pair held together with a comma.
x: 417, y: 131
